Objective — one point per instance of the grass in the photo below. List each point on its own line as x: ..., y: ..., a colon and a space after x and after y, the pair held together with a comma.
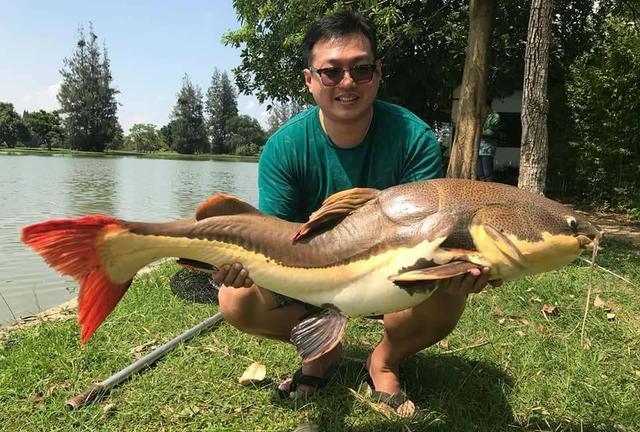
x: 532, y: 374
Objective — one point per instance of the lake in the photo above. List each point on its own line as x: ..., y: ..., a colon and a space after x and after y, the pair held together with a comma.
x: 35, y: 188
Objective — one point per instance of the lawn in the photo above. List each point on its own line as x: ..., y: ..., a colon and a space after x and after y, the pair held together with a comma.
x: 514, y: 363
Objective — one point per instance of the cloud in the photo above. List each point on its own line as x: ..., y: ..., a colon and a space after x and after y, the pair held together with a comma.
x: 249, y: 105
x: 42, y: 99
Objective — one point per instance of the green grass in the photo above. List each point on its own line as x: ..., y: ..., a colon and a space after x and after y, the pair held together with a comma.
x: 533, y: 373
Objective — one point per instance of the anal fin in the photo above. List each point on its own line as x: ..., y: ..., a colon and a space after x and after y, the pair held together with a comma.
x: 318, y: 334
x: 444, y: 271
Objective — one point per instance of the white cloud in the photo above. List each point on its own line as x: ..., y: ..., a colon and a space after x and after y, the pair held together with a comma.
x: 42, y: 99
x: 249, y: 105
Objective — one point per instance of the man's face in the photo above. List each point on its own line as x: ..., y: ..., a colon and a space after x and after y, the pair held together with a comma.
x: 348, y: 101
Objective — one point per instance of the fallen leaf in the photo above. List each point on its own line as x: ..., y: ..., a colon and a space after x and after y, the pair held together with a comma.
x: 109, y: 408
x: 307, y: 427
x: 611, y: 316
x: 41, y: 396
x: 601, y: 304
x: 536, y: 298
x: 637, y: 372
x: 586, y: 344
x: 501, y: 320
x: 519, y: 319
x: 521, y: 333
x: 549, y: 310
x: 497, y: 312
x: 254, y: 373
x: 544, y: 330
x: 444, y: 344
x: 138, y: 350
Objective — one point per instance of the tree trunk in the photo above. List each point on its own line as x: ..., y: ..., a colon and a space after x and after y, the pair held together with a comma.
x: 534, y: 151
x: 473, y: 92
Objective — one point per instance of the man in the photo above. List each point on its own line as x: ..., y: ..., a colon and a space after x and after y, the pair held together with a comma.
x: 488, y: 143
x: 349, y: 139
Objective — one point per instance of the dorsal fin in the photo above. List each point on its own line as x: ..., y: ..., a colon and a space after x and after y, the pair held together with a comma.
x: 221, y: 205
x: 336, y: 207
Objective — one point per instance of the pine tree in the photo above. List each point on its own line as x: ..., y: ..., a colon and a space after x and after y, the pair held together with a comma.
x: 188, y: 130
x: 221, y: 107
x: 86, y: 97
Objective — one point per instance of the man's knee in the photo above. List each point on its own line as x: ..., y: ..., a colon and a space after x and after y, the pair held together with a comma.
x: 238, y: 306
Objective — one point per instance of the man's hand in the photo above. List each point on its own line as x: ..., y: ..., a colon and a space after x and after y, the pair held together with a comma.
x: 474, y: 281
x: 233, y: 275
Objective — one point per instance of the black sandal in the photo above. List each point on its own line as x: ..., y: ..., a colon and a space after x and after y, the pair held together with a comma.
x: 394, y: 401
x: 299, y: 378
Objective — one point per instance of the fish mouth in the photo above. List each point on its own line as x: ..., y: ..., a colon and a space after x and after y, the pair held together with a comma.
x: 589, y: 241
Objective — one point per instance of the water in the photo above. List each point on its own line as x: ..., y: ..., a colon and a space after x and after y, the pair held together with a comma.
x: 35, y: 188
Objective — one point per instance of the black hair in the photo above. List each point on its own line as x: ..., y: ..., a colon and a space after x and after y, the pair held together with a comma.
x: 339, y: 24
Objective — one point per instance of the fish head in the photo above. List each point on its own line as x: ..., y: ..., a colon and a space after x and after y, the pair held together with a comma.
x: 530, y: 236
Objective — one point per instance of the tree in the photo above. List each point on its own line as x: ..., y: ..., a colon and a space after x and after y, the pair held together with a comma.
x: 464, y: 150
x: 86, y: 97
x: 11, y: 125
x: 280, y: 113
x: 221, y: 107
x: 534, y: 149
x: 166, y: 134
x: 46, y: 128
x: 604, y: 102
x: 189, y: 134
x: 143, y: 138
x: 246, y: 136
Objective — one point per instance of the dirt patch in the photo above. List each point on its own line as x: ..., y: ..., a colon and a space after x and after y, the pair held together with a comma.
x: 615, y: 225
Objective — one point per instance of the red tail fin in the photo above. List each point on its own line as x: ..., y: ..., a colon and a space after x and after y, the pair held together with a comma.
x: 71, y: 246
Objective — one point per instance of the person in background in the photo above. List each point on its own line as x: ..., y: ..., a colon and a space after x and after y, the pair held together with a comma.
x: 348, y: 139
x: 488, y: 143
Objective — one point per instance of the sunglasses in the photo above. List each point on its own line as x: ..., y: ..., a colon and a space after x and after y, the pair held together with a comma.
x: 331, y: 77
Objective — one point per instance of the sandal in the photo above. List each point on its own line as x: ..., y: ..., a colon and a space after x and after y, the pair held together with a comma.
x: 299, y: 378
x: 399, y: 402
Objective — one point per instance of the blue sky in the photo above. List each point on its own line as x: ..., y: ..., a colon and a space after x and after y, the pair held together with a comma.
x: 152, y: 44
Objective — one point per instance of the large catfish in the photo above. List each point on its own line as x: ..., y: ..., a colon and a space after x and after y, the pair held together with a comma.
x: 364, y: 252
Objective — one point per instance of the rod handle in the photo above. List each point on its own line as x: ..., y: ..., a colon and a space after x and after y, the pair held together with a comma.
x: 86, y: 396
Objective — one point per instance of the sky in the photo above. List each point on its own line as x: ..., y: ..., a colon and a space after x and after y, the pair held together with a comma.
x: 151, y: 44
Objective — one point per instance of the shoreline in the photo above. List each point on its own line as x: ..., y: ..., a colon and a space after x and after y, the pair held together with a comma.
x: 64, y: 311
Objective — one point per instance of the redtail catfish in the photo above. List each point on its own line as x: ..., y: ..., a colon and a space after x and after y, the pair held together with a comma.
x: 364, y: 252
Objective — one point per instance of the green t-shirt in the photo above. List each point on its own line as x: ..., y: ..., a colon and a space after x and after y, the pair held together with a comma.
x: 300, y: 166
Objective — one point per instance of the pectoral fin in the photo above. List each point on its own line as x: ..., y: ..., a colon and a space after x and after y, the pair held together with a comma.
x: 336, y: 207
x: 318, y: 334
x: 444, y: 271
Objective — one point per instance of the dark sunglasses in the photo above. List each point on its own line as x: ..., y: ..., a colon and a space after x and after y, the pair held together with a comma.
x: 331, y: 77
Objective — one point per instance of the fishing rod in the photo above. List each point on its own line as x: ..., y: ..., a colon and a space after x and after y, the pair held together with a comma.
x: 98, y: 390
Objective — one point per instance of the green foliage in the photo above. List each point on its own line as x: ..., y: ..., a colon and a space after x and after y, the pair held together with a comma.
x: 86, y: 96
x: 166, y: 133
x: 11, y: 125
x: 144, y: 138
x: 280, y: 113
x: 422, y: 45
x: 46, y: 128
x: 188, y: 130
x: 246, y: 136
x: 604, y: 97
x: 221, y: 107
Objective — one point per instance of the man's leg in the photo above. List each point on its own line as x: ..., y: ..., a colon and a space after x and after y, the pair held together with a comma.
x: 257, y: 311
x: 412, y: 330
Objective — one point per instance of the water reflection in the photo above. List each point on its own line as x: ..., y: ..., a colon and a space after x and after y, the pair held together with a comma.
x: 34, y: 188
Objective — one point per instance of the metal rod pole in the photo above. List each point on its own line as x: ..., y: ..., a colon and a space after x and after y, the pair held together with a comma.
x: 99, y: 389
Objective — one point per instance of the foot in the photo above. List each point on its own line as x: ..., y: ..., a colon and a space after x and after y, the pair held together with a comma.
x: 386, y: 386
x: 320, y: 368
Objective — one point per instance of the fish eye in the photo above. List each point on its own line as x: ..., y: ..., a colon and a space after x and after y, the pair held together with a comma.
x: 573, y: 223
